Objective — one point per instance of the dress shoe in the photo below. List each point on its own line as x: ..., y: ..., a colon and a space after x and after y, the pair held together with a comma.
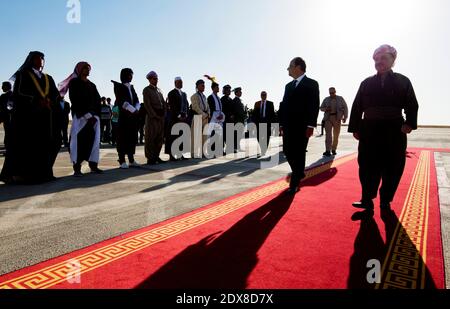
x: 327, y: 154
x: 363, y: 204
x: 96, y: 170
x: 184, y: 158
x: 292, y: 190
x: 124, y: 166
x: 173, y: 159
x: 334, y: 152
x: 151, y: 162
x: 77, y: 174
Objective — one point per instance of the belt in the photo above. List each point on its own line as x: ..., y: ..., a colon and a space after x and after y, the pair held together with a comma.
x: 333, y: 114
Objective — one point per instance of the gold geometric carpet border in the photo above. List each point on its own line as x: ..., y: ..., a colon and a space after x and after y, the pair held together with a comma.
x: 60, y: 272
x: 405, y: 264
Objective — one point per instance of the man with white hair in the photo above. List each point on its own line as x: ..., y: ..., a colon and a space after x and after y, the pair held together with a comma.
x: 156, y: 108
x: 377, y: 122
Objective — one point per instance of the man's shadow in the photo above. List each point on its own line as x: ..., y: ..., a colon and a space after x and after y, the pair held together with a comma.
x: 222, y: 260
x: 370, y: 245
x: 226, y: 259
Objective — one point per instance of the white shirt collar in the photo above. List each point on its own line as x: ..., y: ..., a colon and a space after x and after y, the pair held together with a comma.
x: 300, y: 79
x: 37, y: 72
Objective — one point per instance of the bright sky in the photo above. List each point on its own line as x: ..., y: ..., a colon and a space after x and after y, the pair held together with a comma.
x: 247, y: 43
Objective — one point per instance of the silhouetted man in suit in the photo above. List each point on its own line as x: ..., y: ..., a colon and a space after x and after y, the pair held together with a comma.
x: 298, y: 119
x: 65, y: 111
x: 264, y: 113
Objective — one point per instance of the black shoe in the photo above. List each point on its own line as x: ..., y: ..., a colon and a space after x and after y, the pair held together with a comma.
x: 292, y: 190
x: 363, y: 215
x: 96, y: 170
x: 327, y: 154
x: 334, y: 152
x: 151, y: 162
x: 363, y: 204
x: 77, y: 174
x: 173, y: 159
x: 184, y: 158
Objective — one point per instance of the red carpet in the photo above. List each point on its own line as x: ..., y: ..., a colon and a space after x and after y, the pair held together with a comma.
x: 265, y: 239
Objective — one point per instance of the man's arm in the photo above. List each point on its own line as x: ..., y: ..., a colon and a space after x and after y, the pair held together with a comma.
x: 411, y: 107
x: 356, y: 113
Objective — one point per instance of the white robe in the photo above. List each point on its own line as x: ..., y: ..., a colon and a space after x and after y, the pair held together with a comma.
x: 77, y: 125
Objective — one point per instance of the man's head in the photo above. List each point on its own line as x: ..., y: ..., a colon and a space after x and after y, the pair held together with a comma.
x: 297, y: 67
x: 126, y: 75
x: 6, y: 86
x: 226, y: 90
x: 103, y: 100
x: 38, y: 61
x: 263, y: 96
x: 332, y: 92
x: 200, y: 85
x: 384, y: 57
x: 109, y: 101
x: 178, y: 82
x: 215, y: 88
x: 153, y: 78
x: 238, y: 92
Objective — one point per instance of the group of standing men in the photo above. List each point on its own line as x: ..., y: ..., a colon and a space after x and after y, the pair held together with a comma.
x: 376, y: 120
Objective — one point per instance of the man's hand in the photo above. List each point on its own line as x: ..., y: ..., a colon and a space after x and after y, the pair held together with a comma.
x: 356, y: 136
x: 344, y: 120
x: 309, y: 132
x: 281, y: 131
x: 406, y: 129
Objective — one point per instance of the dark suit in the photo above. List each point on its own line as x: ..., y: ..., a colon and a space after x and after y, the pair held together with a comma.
x: 5, y: 114
x: 298, y: 111
x: 263, y: 115
x: 65, y: 111
x: 178, y: 107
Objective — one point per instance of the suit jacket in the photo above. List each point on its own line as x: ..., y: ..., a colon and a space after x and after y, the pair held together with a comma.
x: 4, y: 112
x: 270, y: 113
x: 341, y: 108
x: 123, y: 95
x: 300, y: 107
x: 212, y: 104
x: 238, y: 111
x: 199, y: 106
x: 175, y: 101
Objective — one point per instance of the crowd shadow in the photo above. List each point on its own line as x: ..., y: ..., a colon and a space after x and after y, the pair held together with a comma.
x: 406, y: 271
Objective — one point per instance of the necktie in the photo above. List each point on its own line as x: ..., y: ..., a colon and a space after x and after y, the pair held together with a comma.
x: 263, y: 105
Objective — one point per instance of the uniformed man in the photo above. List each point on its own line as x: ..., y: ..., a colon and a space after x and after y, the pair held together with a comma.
x: 336, y: 113
x: 377, y: 122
